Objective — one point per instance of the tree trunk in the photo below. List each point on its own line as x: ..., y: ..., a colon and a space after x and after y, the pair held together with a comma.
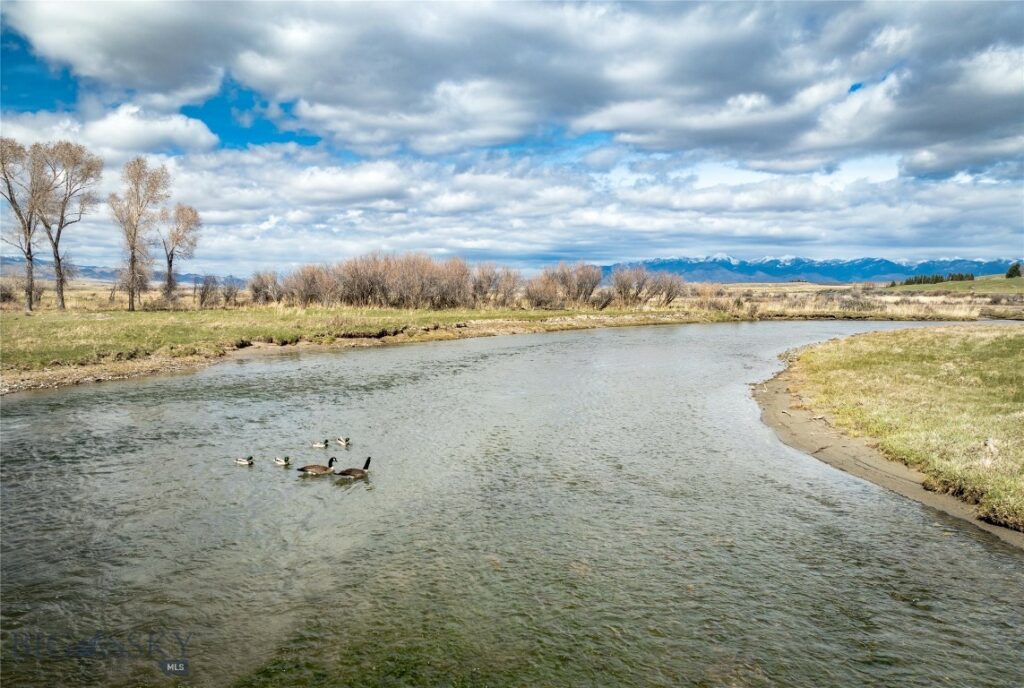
x: 30, y: 282
x: 58, y: 275
x: 131, y: 280
x: 169, y: 279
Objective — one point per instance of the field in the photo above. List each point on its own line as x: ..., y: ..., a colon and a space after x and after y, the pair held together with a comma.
x: 96, y: 338
x: 948, y: 401
x: 989, y: 284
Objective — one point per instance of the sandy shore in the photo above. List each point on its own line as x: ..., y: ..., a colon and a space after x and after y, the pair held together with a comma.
x: 785, y: 412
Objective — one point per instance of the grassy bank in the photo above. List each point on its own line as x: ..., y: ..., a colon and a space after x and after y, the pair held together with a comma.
x: 96, y: 339
x: 991, y: 284
x: 948, y: 401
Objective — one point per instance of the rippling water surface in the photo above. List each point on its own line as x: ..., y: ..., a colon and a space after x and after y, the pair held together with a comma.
x: 585, y: 508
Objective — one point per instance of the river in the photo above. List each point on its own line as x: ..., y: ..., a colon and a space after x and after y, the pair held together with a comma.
x: 598, y: 508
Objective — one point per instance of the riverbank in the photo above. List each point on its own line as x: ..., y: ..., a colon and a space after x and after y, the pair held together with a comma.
x: 935, y: 414
x: 52, y: 349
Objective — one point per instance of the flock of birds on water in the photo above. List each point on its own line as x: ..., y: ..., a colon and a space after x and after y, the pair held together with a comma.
x: 319, y: 469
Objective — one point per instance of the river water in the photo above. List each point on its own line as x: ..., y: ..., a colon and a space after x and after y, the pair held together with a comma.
x: 599, y: 508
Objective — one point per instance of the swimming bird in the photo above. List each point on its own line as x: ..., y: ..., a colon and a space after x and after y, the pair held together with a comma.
x: 282, y: 462
x: 343, y: 441
x: 244, y: 462
x: 357, y: 473
x: 315, y: 469
x: 320, y: 445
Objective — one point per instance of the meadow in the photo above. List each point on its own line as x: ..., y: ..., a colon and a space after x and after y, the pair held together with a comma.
x: 948, y: 401
x: 96, y: 330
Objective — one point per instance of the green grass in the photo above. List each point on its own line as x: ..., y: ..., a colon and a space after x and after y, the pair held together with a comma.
x: 991, y: 284
x: 51, y: 338
x: 931, y: 398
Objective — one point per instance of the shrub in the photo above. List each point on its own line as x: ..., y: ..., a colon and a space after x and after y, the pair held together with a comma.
x: 209, y: 292
x: 304, y: 286
x: 494, y: 286
x: 630, y: 285
x: 8, y: 291
x: 666, y: 287
x: 543, y: 292
x: 264, y: 288
x: 1014, y: 271
x: 230, y: 291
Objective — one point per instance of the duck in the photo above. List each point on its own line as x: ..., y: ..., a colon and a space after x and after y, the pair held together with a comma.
x: 282, y: 462
x: 357, y: 473
x: 315, y: 469
x: 343, y: 441
x: 244, y: 462
x: 320, y: 445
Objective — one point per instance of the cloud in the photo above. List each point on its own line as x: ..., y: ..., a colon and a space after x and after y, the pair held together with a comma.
x: 532, y: 132
x: 768, y: 83
x: 117, y: 134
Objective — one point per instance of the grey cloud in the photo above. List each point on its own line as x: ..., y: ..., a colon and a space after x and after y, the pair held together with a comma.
x: 766, y: 82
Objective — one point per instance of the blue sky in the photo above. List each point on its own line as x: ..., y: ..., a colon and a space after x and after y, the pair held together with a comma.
x: 527, y: 133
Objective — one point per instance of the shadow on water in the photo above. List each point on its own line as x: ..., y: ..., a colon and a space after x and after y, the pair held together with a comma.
x: 583, y: 508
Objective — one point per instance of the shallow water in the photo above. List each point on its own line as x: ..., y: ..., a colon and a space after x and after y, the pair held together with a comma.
x: 581, y: 508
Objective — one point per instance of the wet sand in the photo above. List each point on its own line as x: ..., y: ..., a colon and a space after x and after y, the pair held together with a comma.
x: 800, y: 428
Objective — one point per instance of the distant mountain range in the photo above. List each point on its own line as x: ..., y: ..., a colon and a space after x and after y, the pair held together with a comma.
x: 717, y: 268
x: 44, y: 270
x: 725, y: 269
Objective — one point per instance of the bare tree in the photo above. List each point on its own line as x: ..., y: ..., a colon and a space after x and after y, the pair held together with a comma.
x: 135, y: 212
x: 73, y: 171
x: 178, y: 237
x: 25, y: 188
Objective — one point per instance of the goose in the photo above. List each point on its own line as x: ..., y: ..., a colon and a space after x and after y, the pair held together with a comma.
x: 282, y: 462
x: 343, y: 441
x: 320, y: 445
x: 314, y: 469
x: 244, y: 462
x: 357, y: 473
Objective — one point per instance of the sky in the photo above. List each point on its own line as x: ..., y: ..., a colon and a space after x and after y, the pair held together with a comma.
x: 528, y: 133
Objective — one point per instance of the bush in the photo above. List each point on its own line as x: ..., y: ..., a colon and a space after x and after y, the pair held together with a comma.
x: 630, y: 285
x: 264, y: 288
x: 1014, y: 271
x: 230, y: 291
x: 209, y: 292
x: 8, y: 291
x: 666, y: 287
x: 543, y: 292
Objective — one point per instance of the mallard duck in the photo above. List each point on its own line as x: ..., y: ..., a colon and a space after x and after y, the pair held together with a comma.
x: 315, y: 469
x: 321, y: 445
x: 244, y: 462
x: 343, y: 441
x: 282, y: 462
x: 357, y: 473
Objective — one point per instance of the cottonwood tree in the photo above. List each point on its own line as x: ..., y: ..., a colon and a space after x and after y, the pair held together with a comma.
x: 136, y: 210
x: 72, y: 171
x: 25, y: 188
x: 178, y: 236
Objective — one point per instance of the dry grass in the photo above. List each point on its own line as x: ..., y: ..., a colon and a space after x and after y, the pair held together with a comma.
x: 96, y: 330
x: 948, y: 401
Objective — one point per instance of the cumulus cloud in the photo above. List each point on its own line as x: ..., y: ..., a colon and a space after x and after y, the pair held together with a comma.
x: 120, y: 133
x: 768, y: 83
x: 829, y: 130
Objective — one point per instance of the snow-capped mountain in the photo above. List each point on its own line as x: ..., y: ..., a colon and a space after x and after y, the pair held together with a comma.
x: 721, y: 268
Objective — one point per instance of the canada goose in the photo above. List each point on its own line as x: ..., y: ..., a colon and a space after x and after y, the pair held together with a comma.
x: 343, y: 441
x: 244, y: 462
x: 320, y: 445
x: 357, y: 473
x: 282, y: 462
x: 314, y: 469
